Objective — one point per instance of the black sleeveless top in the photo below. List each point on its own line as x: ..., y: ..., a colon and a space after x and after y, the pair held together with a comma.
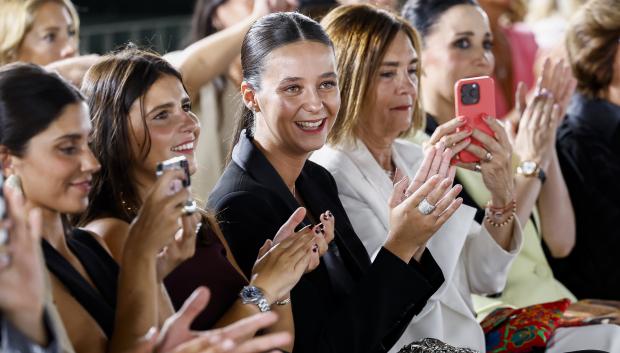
x: 99, y: 302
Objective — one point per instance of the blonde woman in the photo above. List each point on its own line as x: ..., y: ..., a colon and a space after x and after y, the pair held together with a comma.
x: 364, y: 150
x: 43, y: 32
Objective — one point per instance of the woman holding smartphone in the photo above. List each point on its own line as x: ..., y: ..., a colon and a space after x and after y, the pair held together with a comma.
x: 142, y: 115
x: 457, y: 44
x: 44, y: 132
x: 364, y: 153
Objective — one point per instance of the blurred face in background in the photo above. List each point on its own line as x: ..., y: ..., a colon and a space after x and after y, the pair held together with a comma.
x: 458, y: 46
x: 53, y: 36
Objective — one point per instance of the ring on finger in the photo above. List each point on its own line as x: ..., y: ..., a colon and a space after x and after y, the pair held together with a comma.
x: 198, y: 226
x: 426, y: 207
x: 477, y: 167
x: 488, y: 157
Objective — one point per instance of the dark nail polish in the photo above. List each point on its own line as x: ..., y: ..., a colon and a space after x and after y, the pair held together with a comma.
x: 322, y: 226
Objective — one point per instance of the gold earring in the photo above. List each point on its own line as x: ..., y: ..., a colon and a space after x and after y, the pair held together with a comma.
x: 15, y: 183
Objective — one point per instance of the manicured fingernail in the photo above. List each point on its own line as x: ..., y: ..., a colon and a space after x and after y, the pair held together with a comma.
x: 315, y: 248
x: 322, y: 226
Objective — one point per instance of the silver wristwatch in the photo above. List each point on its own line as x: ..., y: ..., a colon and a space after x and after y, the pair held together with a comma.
x: 254, y: 295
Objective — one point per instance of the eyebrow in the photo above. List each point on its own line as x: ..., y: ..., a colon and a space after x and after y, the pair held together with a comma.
x: 294, y: 79
x: 161, y: 106
x: 396, y: 63
x: 72, y: 137
x: 51, y: 28
x: 470, y: 34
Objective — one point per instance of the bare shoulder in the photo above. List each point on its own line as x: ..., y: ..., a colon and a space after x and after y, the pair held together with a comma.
x: 112, y: 231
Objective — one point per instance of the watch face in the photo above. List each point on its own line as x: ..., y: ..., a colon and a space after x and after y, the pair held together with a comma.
x: 528, y: 167
x: 251, y: 294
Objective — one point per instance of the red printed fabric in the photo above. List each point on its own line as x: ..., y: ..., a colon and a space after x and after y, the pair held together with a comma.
x: 522, y: 330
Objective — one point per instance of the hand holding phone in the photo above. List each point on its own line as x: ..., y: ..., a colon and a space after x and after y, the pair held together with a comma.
x: 474, y: 99
x: 179, y: 163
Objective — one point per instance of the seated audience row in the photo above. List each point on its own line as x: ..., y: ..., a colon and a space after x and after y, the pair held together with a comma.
x: 325, y: 214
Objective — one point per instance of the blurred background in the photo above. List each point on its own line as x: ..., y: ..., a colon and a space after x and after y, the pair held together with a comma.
x: 159, y: 24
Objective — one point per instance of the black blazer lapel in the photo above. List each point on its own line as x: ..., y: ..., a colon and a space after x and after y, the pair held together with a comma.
x: 317, y: 204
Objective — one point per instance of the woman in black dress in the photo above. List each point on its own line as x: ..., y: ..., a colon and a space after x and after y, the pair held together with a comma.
x: 44, y: 133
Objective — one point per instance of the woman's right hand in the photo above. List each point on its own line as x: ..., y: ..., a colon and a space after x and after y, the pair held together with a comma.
x: 410, y: 229
x: 447, y: 134
x: 159, y: 218
x: 279, y: 267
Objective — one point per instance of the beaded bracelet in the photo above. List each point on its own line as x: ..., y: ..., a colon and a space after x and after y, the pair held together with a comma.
x: 499, y: 225
x: 498, y: 212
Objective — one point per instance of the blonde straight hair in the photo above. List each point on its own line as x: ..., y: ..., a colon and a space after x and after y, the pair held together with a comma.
x: 16, y: 20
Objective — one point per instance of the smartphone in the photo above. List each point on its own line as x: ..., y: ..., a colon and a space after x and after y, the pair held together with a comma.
x: 179, y: 163
x: 474, y: 99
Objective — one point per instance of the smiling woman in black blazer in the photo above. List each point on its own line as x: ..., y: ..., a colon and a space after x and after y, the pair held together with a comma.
x: 347, y: 304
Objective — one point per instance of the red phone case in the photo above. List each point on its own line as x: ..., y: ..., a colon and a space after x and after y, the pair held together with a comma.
x: 475, y: 113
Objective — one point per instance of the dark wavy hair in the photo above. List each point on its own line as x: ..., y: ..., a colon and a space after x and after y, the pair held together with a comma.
x: 31, y: 99
x: 111, y: 87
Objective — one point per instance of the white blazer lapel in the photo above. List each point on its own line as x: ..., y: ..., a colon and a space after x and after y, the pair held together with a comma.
x: 375, y: 187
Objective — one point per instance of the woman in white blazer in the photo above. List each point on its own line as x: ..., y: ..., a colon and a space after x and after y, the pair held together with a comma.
x: 379, y: 104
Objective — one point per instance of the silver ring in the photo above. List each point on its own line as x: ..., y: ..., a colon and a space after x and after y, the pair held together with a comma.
x: 425, y: 207
x: 477, y: 167
x: 198, y: 226
x: 190, y: 207
x: 488, y: 157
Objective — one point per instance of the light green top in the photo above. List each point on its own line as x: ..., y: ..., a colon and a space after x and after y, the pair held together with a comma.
x: 530, y: 280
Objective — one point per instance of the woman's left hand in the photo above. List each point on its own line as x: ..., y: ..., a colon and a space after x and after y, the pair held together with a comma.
x: 181, y: 248
x: 323, y: 235
x: 495, y: 161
